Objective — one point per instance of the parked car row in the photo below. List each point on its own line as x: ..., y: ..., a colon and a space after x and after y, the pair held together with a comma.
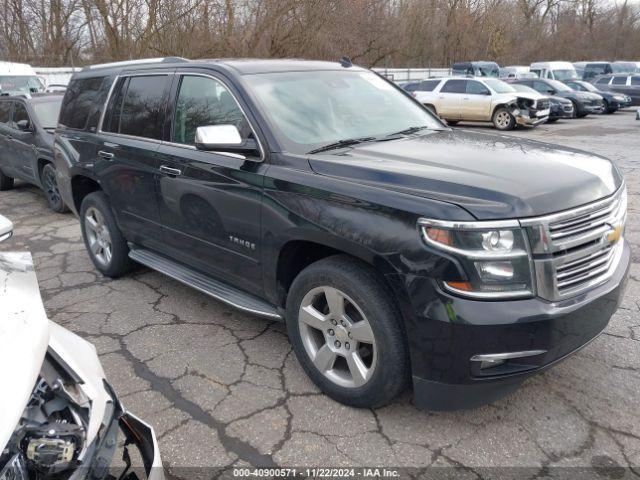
x: 396, y: 250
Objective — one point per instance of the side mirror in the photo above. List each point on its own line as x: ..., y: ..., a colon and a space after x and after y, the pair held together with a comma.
x: 24, y: 125
x: 6, y: 229
x: 224, y: 138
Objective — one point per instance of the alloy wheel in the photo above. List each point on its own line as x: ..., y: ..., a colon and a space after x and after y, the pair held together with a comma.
x: 51, y: 187
x: 503, y: 119
x: 98, y: 236
x: 337, y: 336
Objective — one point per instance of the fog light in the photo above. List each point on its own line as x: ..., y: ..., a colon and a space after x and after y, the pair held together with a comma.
x: 490, y: 364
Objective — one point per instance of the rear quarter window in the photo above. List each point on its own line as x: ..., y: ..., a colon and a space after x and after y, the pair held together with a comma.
x: 428, y: 85
x: 82, y: 103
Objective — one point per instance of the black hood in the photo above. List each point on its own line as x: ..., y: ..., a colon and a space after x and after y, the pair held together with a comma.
x: 492, y: 176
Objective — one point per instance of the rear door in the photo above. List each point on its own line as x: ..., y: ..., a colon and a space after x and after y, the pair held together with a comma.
x: 127, y: 159
x: 476, y: 103
x: 620, y: 84
x: 449, y: 99
x: 210, y: 201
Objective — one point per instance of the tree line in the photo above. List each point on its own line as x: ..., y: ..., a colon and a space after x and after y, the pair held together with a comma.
x: 373, y: 33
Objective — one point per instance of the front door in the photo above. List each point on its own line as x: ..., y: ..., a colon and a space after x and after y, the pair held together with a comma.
x: 127, y: 154
x: 23, y: 150
x: 210, y: 202
x: 476, y: 104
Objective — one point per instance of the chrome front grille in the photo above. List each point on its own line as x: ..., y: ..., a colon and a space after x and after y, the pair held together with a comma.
x: 543, y: 104
x: 576, y: 250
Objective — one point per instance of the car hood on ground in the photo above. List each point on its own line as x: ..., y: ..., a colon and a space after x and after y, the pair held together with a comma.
x: 24, y: 336
x: 492, y: 176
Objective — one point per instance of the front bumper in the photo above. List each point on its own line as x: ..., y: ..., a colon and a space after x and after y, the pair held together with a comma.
x: 143, y: 437
x: 561, y: 111
x: 451, y: 330
x: 532, y: 118
x: 596, y: 108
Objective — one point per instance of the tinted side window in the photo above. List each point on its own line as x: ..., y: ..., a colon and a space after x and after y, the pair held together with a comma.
x: 82, y: 102
x: 204, y: 101
x: 5, y: 113
x: 476, y: 88
x: 618, y: 80
x: 635, y: 80
x: 19, y: 114
x: 454, y: 86
x: 603, y: 81
x: 141, y: 111
x: 428, y: 85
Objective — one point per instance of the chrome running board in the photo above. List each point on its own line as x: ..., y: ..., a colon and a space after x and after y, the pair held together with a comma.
x: 205, y: 284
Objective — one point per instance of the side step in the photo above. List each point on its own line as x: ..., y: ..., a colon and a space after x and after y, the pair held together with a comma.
x: 214, y: 288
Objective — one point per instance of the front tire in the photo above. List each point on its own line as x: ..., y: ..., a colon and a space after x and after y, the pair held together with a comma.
x: 103, y: 239
x: 503, y: 120
x: 50, y: 187
x: 347, y: 332
x: 6, y: 182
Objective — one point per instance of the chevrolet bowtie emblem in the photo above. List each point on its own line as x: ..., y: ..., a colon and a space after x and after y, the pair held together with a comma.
x: 614, y: 235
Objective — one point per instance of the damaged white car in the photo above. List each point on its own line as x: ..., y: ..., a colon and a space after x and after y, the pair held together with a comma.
x: 476, y: 99
x: 60, y: 418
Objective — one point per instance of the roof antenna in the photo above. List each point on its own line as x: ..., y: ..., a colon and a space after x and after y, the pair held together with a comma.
x: 346, y: 62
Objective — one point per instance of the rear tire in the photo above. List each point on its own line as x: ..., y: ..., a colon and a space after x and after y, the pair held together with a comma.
x: 49, y: 182
x: 503, y: 120
x: 453, y: 123
x: 347, y: 332
x: 6, y: 183
x: 103, y: 240
x: 552, y: 120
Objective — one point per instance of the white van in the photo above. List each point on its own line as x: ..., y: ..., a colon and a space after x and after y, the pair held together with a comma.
x: 555, y: 70
x: 516, y: 72
x: 18, y: 78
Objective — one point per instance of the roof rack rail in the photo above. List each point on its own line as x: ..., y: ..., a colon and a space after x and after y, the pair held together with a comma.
x: 141, y: 61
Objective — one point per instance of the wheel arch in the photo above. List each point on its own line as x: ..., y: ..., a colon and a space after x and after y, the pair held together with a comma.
x: 297, y: 254
x: 81, y: 186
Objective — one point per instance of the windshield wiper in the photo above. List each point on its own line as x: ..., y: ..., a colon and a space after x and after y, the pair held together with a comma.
x: 341, y: 143
x: 408, y: 131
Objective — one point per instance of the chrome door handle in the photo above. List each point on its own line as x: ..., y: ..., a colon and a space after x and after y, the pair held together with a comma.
x: 174, y: 172
x: 105, y: 155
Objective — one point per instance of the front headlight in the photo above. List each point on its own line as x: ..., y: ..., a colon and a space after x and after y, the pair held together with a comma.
x: 494, y: 256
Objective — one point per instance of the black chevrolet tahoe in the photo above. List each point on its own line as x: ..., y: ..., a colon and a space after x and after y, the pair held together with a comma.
x: 395, y: 249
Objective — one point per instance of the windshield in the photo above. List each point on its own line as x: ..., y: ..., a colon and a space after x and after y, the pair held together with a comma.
x: 499, y: 86
x: 565, y: 74
x: 624, y: 67
x: 588, y: 87
x: 47, y: 112
x: 559, y: 86
x: 308, y: 110
x: 488, y: 71
x: 523, y: 88
x: 21, y: 83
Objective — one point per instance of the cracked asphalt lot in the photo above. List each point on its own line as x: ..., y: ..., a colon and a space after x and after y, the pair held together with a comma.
x: 224, y: 388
